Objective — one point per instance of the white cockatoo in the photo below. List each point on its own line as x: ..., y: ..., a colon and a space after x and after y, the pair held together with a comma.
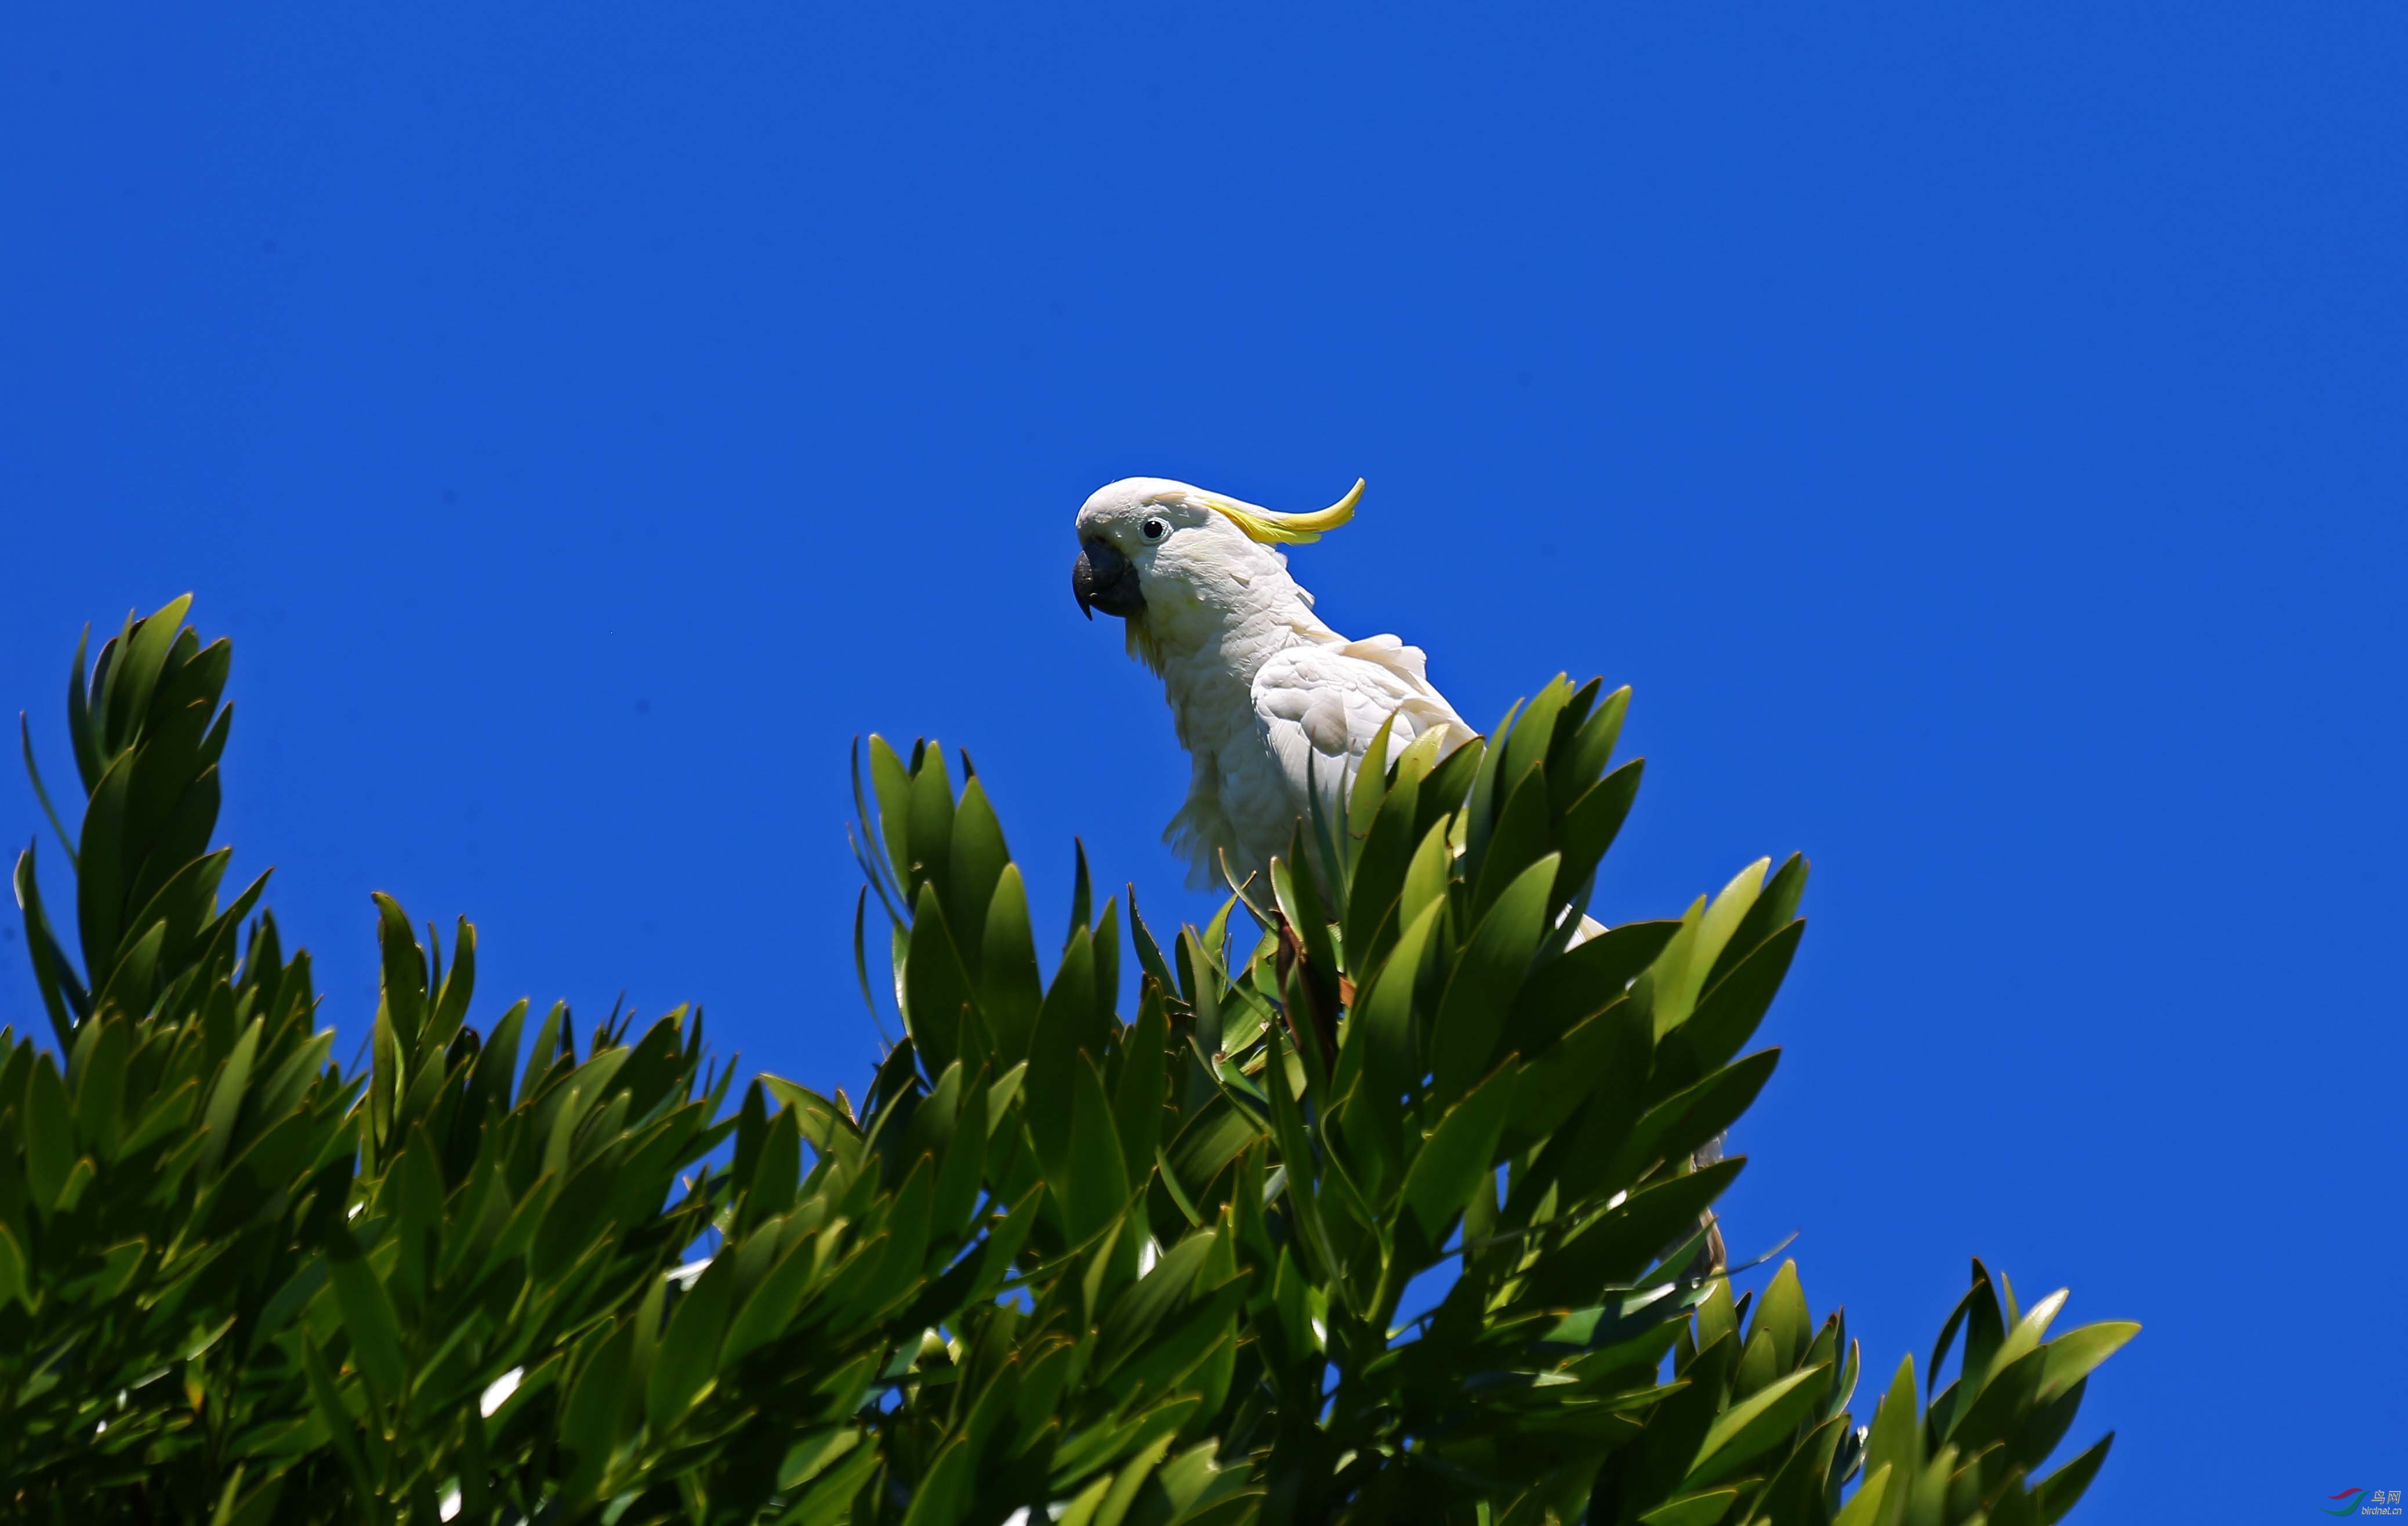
x: 1269, y: 702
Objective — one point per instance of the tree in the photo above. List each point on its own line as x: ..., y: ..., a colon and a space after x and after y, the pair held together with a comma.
x: 1145, y: 1271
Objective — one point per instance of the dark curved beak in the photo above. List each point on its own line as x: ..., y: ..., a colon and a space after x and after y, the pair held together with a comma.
x: 1104, y: 580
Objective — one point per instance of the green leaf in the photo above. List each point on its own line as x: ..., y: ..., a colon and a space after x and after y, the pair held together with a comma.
x: 50, y: 1132
x: 1458, y: 1158
x: 1678, y: 976
x: 829, y: 1500
x: 81, y: 730
x: 34, y: 772
x: 1624, y: 1241
x: 1592, y: 823
x: 1097, y: 1184
x: 1136, y: 1313
x: 1774, y: 908
x: 1481, y: 804
x: 2074, y: 1355
x: 1296, y: 1156
x: 1998, y: 1410
x: 225, y: 1099
x: 1782, y: 1312
x: 1427, y: 874
x: 1299, y: 903
x: 64, y: 996
x: 2057, y: 1493
x: 1799, y: 1489
x: 1383, y: 1018
x: 1448, y: 786
x: 402, y: 988
x: 343, y: 1429
x: 1687, y: 1118
x: 688, y: 1361
x: 772, y: 1305
x: 1530, y: 737
x: 1066, y: 1022
x: 1896, y: 1438
x: 1866, y: 1508
x: 1063, y: 1036
x: 459, y: 983
x: 1107, y: 971
x: 1487, y: 977
x: 935, y: 988
x: 1691, y: 1509
x: 1729, y: 1014
x: 1081, y: 892
x: 1580, y: 982
x: 892, y: 784
x: 1149, y: 952
x: 1370, y: 788
x: 1214, y: 1137
x: 929, y: 820
x: 1521, y: 838
x: 1378, y: 872
x: 2025, y: 1338
x: 1601, y: 1064
x: 1139, y: 1095
x: 498, y: 1059
x: 12, y: 1268
x: 551, y: 1038
x: 137, y: 675
x: 590, y: 1416
x: 101, y: 1052
x: 1744, y: 1431
x: 1010, y: 988
x: 101, y: 871
x: 368, y: 1316
x: 1592, y: 748
x: 770, y: 1189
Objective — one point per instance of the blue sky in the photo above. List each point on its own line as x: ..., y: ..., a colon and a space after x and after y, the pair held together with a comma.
x: 1979, y: 437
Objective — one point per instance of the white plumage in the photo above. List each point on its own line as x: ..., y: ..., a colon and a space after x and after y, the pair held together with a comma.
x: 1267, y: 700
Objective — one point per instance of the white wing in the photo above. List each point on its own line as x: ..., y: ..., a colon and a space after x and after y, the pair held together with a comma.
x: 1319, y: 708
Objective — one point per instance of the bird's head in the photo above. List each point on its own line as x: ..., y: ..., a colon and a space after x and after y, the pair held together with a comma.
x: 1153, y: 551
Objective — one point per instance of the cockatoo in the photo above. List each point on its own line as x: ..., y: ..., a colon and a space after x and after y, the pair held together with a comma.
x: 1269, y: 703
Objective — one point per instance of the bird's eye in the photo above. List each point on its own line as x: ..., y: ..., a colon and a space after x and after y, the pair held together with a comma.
x: 1153, y: 529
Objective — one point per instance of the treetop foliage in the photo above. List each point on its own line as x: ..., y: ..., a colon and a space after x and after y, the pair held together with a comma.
x: 1398, y: 1210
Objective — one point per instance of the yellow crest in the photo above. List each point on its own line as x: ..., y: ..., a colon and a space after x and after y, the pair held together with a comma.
x: 1267, y: 525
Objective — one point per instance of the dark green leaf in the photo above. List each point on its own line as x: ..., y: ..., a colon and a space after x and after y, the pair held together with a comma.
x: 2060, y: 1490
x: 1383, y: 1018
x: 1896, y: 1440
x: 935, y: 988
x: 1581, y: 981
x: 930, y: 822
x: 1774, y: 907
x: 892, y: 784
x: 688, y: 1360
x: 1486, y: 978
x: 1095, y: 1186
x: 1687, y: 1118
x: 1746, y: 1428
x: 1010, y: 989
x: 403, y: 986
x: 1592, y: 824
x: 1729, y: 1014
x: 368, y: 1316
x: 1458, y: 1157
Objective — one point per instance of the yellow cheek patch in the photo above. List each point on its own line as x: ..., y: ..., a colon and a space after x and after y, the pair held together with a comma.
x: 1269, y: 526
